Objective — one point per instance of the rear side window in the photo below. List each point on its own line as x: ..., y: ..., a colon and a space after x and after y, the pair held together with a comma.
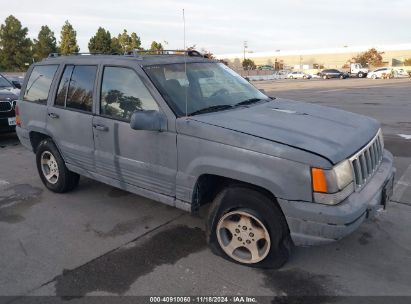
x: 123, y: 92
x: 38, y: 86
x: 76, y: 87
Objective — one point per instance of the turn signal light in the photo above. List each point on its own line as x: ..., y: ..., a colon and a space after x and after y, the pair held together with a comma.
x: 18, y: 121
x: 319, y: 180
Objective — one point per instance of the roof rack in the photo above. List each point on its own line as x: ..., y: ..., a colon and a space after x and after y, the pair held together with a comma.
x: 53, y: 55
x: 191, y: 53
x: 138, y: 53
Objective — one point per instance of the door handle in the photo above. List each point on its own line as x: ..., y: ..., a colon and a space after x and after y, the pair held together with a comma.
x: 100, y: 128
x: 53, y: 115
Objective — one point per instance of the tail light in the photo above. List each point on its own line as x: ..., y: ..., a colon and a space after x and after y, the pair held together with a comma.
x: 18, y: 121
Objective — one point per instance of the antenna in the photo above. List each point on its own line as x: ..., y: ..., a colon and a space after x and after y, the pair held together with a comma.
x: 185, y: 60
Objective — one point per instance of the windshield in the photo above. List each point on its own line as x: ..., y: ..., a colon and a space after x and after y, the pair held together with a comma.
x: 211, y: 86
x: 4, y: 83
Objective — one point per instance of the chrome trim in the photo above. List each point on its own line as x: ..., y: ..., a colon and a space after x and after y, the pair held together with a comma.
x: 10, y: 104
x: 365, y: 162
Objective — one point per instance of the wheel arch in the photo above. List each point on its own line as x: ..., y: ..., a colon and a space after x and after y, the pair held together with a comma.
x: 208, y: 186
x: 36, y: 137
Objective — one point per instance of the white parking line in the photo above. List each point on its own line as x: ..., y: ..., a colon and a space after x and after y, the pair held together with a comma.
x: 3, y: 182
x: 401, y: 185
x: 333, y: 90
x: 406, y: 136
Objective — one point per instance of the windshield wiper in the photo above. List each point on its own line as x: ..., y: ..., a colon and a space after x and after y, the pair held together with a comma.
x: 248, y: 101
x: 211, y: 109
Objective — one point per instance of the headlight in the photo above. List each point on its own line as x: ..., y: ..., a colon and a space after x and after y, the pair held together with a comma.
x: 332, y: 186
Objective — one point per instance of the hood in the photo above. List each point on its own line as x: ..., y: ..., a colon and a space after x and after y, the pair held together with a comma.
x: 331, y: 133
x: 9, y: 94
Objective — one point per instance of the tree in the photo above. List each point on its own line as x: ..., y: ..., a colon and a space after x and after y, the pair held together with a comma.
x: 237, y: 63
x: 68, y: 39
x: 370, y: 57
x: 15, y: 47
x: 44, y: 44
x: 407, y: 61
x: 135, y: 43
x: 100, y: 42
x: 115, y: 46
x: 248, y: 64
x: 129, y: 43
x: 156, y: 47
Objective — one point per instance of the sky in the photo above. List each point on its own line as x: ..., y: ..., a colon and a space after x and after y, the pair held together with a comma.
x: 223, y: 26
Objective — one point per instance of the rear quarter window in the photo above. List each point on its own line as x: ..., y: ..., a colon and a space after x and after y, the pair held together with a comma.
x: 39, y: 83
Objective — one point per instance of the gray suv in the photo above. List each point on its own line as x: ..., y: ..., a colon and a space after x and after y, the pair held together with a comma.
x: 189, y: 132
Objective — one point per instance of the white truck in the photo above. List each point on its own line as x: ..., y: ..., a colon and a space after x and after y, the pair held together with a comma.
x: 357, y: 70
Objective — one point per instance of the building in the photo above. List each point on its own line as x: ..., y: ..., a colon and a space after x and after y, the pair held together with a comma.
x: 394, y: 55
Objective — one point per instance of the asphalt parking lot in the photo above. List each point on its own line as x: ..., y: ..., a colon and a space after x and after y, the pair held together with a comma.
x: 98, y: 240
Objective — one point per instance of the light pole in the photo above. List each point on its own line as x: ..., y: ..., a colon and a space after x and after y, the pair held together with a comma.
x: 245, y: 46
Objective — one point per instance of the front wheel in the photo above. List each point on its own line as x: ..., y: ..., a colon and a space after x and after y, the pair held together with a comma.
x: 52, y: 170
x: 374, y: 76
x: 325, y: 77
x: 248, y: 227
x: 360, y: 75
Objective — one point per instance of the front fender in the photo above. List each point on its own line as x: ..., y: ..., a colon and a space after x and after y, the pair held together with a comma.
x: 284, y: 178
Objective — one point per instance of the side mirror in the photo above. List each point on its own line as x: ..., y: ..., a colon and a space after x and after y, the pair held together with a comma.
x: 149, y: 120
x: 16, y: 84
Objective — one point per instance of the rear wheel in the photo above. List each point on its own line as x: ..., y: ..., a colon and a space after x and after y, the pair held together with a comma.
x: 325, y: 77
x: 248, y: 227
x: 360, y: 75
x: 52, y: 170
x: 374, y: 76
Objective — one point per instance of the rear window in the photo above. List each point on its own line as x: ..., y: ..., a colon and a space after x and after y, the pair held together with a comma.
x: 38, y: 86
x: 76, y: 87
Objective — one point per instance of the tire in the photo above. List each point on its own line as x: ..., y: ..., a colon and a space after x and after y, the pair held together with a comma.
x: 325, y: 77
x: 236, y: 203
x: 342, y: 77
x: 360, y: 75
x: 304, y: 77
x: 61, y: 179
x: 374, y: 76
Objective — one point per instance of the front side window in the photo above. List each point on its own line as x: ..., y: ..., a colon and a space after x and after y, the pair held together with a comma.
x: 200, y: 86
x: 39, y: 83
x: 76, y: 87
x: 123, y: 93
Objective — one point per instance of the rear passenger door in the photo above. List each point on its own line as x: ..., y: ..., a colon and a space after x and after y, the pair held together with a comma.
x: 69, y: 118
x: 146, y: 159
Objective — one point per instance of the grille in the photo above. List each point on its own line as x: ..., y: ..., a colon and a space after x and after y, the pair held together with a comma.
x: 367, y: 160
x: 5, y: 106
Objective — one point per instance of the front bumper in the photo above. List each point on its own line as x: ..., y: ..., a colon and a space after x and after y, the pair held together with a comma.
x: 4, y: 125
x: 312, y: 223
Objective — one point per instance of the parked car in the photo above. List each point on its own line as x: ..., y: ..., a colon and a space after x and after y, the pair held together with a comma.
x: 380, y: 73
x: 315, y: 75
x: 298, y: 75
x: 265, y: 68
x: 333, y: 73
x: 400, y: 73
x: 190, y: 132
x: 281, y: 74
x: 8, y: 99
x: 17, y: 81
